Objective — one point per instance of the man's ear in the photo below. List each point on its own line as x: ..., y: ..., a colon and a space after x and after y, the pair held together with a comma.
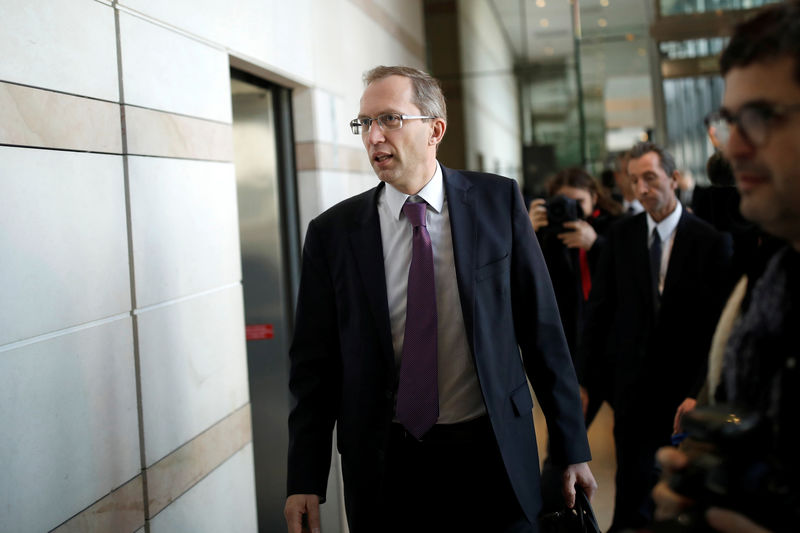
x: 437, y: 131
x: 676, y: 178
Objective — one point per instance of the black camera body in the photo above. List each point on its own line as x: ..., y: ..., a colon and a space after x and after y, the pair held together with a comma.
x: 561, y: 209
x: 730, y: 466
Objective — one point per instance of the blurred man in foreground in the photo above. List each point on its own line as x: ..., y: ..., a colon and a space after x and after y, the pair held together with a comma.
x: 758, y: 128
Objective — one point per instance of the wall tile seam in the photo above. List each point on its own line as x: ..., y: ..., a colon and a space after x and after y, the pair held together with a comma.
x: 119, y: 102
x: 176, y: 157
x: 167, y: 26
x: 64, y: 331
x: 56, y: 91
x: 56, y: 149
x: 176, y: 114
x: 181, y: 299
x: 118, y: 154
x: 105, y: 497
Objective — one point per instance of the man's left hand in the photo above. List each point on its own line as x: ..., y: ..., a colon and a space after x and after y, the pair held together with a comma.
x: 581, y: 475
x: 582, y: 236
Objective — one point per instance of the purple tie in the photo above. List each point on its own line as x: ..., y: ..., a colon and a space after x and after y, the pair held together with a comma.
x: 418, y: 391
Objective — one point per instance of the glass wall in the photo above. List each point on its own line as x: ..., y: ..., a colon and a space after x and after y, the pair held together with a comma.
x: 684, y: 7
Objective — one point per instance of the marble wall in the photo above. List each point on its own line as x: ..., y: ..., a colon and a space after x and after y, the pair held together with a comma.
x: 123, y: 375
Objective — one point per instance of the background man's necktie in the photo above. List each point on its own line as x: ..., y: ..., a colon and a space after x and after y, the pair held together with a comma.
x: 655, y: 265
x: 418, y: 391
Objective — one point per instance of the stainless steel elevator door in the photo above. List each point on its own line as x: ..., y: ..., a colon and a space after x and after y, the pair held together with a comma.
x: 267, y: 296
x: 263, y: 281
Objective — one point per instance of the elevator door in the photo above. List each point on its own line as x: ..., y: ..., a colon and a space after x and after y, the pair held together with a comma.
x: 270, y: 254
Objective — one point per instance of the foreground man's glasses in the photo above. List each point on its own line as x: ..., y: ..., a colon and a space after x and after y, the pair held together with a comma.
x: 754, y: 121
x: 387, y: 121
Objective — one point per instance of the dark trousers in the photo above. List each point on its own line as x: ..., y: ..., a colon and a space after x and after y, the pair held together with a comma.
x: 452, y: 480
x: 637, y: 474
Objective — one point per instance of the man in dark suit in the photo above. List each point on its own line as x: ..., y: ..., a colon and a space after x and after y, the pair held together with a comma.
x: 469, y: 461
x: 652, y: 311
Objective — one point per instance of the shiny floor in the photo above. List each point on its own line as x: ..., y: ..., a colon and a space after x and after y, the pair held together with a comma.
x: 603, y: 463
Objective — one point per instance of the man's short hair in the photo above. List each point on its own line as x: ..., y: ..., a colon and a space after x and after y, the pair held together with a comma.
x: 428, y: 96
x: 664, y: 157
x: 772, y: 33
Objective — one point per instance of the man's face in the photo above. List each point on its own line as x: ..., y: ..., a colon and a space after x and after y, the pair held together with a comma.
x: 767, y: 176
x: 406, y: 157
x: 653, y: 188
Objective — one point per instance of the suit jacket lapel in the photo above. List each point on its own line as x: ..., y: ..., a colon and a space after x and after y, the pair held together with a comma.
x: 681, y: 246
x: 641, y: 262
x: 462, y: 226
x: 367, y: 247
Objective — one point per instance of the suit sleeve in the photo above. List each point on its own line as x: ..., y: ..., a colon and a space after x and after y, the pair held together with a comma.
x: 314, y: 376
x: 541, y: 338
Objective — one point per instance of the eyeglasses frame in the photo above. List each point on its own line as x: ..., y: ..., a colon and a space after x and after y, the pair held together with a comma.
x: 358, y: 123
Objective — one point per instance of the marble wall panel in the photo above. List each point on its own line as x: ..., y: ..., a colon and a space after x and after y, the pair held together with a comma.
x: 161, y: 134
x: 255, y: 29
x: 69, y: 47
x: 35, y: 117
x: 182, y: 469
x: 168, y: 71
x: 70, y: 425
x: 185, y: 227
x: 193, y: 364
x: 223, y: 501
x: 63, y: 240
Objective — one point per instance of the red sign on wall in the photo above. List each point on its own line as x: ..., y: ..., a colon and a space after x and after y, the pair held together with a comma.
x: 259, y: 332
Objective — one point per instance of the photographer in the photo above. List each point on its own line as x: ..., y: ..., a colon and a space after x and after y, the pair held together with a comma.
x: 759, y: 131
x: 570, y: 227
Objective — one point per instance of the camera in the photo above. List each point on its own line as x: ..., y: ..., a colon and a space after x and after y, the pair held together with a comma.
x: 731, y: 465
x: 561, y: 209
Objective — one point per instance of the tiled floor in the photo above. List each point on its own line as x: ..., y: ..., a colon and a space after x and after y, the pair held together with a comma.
x: 603, y: 463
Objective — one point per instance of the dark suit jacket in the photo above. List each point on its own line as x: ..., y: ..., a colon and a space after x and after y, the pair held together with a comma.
x: 342, y: 362
x: 651, y: 360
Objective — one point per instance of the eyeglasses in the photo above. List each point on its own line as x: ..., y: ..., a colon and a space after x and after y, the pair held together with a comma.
x: 754, y: 121
x: 387, y: 122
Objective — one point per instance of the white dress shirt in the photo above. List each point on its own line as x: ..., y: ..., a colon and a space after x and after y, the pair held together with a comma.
x: 460, y: 398
x: 666, y: 231
x: 633, y: 207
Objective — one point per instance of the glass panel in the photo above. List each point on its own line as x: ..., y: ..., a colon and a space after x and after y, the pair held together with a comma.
x: 687, y: 101
x: 683, y: 7
x: 692, y: 48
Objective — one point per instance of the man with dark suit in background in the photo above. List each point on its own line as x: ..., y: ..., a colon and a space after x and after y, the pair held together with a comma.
x: 651, y: 314
x: 416, y: 301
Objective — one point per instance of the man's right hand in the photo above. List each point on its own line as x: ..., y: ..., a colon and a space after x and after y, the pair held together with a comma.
x: 298, y: 505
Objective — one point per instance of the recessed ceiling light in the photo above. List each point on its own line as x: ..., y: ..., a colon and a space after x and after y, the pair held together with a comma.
x: 540, y: 3
x: 604, y: 3
x: 544, y: 23
x: 602, y: 23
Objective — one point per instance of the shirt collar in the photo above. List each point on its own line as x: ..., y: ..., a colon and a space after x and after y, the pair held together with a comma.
x: 432, y: 193
x: 666, y: 226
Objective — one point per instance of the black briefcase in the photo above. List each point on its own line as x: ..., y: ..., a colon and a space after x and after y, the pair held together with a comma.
x: 579, y: 519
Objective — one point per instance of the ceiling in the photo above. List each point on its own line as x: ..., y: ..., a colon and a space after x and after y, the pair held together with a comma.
x: 540, y: 30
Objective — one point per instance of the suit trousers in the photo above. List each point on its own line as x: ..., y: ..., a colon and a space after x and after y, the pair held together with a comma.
x: 637, y: 473
x: 451, y: 480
